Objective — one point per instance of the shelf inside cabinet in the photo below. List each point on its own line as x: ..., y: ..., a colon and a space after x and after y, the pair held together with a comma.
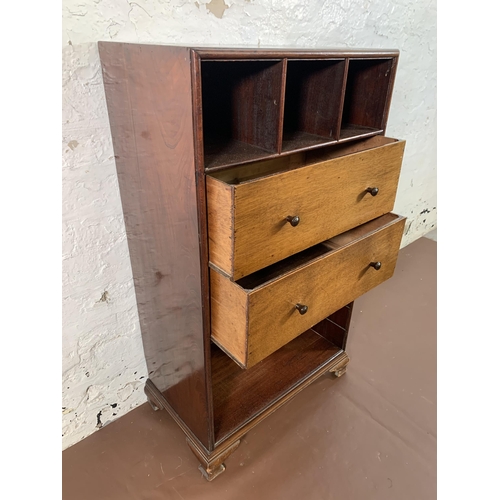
x: 240, y: 395
x: 366, y: 96
x: 312, y: 115
x: 354, y: 132
x: 241, y: 110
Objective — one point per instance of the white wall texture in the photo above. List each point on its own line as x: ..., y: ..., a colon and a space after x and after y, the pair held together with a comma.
x: 103, y: 362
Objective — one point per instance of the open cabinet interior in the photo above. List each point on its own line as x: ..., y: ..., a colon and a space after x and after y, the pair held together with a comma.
x: 366, y: 96
x: 255, y: 109
x: 313, y: 102
x: 241, y: 109
x: 239, y: 395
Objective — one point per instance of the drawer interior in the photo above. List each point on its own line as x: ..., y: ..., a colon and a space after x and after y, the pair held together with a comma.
x: 265, y: 276
x: 259, y: 169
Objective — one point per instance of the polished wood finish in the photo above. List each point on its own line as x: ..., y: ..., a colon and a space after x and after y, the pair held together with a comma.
x: 241, y: 395
x: 219, y: 53
x: 148, y: 95
x: 178, y: 114
x: 313, y: 99
x: 241, y: 108
x: 367, y: 92
x: 300, y: 363
x: 212, y: 464
x: 259, y: 208
x: 263, y: 104
x: 269, y: 317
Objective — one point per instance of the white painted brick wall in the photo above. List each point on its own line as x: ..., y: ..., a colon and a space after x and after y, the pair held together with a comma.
x: 103, y: 361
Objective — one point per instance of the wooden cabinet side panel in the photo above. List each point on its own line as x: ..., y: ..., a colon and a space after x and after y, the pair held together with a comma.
x: 148, y: 94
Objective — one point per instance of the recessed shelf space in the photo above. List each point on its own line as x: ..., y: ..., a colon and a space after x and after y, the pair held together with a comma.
x: 258, y: 109
x: 366, y: 96
x: 241, y: 110
x: 313, y: 102
x: 240, y: 395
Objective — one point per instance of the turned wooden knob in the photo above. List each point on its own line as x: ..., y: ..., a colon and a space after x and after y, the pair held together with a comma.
x: 372, y: 191
x: 376, y: 265
x: 293, y: 220
x: 301, y: 308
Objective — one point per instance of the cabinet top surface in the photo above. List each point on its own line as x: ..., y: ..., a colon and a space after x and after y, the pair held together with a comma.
x: 207, y: 52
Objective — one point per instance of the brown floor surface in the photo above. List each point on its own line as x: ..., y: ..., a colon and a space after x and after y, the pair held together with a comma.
x: 368, y: 435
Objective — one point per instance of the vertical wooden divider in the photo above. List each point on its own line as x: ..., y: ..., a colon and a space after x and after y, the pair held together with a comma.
x: 390, y: 88
x: 342, y: 97
x: 281, y: 112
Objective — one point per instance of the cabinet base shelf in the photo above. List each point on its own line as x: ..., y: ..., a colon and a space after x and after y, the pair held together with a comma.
x: 296, y: 365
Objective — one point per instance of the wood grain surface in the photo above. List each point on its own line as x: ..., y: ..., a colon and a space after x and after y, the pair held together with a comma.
x: 148, y: 95
x: 229, y: 309
x: 329, y: 197
x: 324, y: 286
x: 367, y: 92
x: 326, y: 282
x: 220, y: 223
x: 309, y: 107
x: 240, y: 396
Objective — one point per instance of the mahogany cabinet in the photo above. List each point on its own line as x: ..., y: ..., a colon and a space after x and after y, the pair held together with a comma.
x: 257, y: 189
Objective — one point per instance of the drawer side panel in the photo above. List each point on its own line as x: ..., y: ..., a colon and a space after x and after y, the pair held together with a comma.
x: 220, y: 224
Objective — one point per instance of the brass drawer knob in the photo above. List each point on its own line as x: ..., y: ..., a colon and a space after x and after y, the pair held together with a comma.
x: 293, y: 220
x: 372, y: 191
x: 301, y: 308
x: 376, y: 265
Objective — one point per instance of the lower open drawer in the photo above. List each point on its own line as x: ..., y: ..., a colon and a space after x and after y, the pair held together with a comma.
x: 256, y: 315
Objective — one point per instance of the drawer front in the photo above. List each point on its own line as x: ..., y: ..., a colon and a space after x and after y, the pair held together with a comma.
x: 267, y: 318
x: 328, y: 197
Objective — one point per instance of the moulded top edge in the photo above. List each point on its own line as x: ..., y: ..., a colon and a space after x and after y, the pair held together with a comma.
x: 286, y: 52
x: 270, y: 52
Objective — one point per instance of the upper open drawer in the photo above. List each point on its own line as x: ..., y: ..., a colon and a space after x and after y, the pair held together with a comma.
x: 261, y: 213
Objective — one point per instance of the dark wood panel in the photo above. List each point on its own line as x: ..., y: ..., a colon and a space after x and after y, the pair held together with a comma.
x: 366, y: 92
x: 354, y: 132
x: 239, y: 395
x: 335, y: 328
x: 296, y: 140
x: 228, y: 155
x: 241, y: 104
x: 225, y: 152
x: 201, y: 195
x: 148, y: 93
x: 313, y: 96
x: 290, y: 52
